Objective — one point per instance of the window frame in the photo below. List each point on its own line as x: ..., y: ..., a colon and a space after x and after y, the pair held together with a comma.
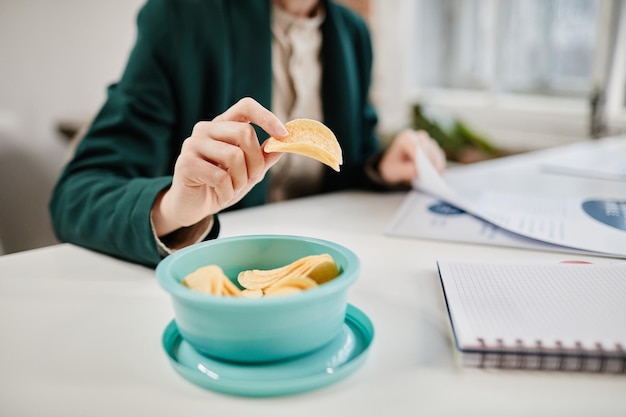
x: 615, y: 110
x: 514, y: 121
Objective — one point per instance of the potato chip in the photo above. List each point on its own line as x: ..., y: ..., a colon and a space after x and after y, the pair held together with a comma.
x: 302, y: 274
x: 289, y: 285
x: 229, y: 287
x: 310, y: 138
x: 321, y: 266
x: 324, y: 270
x: 211, y: 279
x: 247, y: 293
x: 256, y: 279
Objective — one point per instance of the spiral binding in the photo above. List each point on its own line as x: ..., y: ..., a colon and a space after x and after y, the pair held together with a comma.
x: 536, y: 356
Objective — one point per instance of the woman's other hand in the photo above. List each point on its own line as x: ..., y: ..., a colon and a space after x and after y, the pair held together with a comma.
x: 398, y: 164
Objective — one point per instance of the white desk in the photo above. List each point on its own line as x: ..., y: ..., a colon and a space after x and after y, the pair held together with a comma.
x: 81, y: 332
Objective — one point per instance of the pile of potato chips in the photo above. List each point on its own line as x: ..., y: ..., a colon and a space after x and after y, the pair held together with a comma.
x: 302, y: 274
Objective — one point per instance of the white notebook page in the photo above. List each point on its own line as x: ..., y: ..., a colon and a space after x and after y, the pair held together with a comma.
x: 526, y: 303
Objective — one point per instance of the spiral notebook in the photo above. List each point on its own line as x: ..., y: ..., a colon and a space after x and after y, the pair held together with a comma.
x: 569, y: 317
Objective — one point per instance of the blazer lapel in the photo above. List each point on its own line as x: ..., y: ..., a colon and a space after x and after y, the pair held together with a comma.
x: 339, y: 83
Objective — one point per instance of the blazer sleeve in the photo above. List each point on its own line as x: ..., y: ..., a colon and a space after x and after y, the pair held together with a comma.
x: 104, y: 196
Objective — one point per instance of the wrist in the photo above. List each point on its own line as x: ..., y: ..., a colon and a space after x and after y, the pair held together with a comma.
x: 162, y: 223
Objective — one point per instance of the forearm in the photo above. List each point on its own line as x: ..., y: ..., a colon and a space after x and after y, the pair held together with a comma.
x: 108, y: 214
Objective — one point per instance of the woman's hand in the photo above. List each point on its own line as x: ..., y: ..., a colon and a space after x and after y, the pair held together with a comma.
x: 218, y: 165
x: 398, y: 166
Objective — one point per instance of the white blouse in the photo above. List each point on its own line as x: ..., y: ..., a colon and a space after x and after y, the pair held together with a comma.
x: 296, y: 93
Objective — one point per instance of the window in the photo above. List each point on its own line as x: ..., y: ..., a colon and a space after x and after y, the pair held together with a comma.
x: 518, y: 46
x: 527, y: 73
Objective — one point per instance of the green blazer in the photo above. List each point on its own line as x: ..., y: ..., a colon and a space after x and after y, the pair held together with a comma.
x: 191, y: 61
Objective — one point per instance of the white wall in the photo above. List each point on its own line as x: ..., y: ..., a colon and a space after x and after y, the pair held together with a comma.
x: 56, y: 59
x: 390, y: 26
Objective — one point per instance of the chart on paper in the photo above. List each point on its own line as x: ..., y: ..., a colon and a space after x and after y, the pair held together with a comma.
x: 590, y: 225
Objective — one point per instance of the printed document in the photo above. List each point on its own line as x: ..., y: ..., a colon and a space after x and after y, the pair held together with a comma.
x: 586, y: 160
x: 435, y: 210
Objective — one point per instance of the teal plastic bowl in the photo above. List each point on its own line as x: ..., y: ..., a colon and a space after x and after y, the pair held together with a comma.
x: 264, y: 329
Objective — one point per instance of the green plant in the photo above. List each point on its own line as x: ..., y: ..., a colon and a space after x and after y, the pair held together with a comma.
x: 460, y: 142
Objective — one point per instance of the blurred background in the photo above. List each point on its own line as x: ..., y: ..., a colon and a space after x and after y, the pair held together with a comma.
x: 485, y: 77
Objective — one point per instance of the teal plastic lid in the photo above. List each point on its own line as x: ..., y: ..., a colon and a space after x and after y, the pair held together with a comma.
x: 331, y: 363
